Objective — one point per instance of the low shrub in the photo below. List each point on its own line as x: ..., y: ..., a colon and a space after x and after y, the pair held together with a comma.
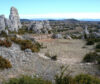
x: 54, y: 57
x: 27, y: 80
x: 63, y: 77
x: 90, y: 42
x: 97, y: 50
x: 6, y: 43
x: 86, y: 79
x: 3, y: 34
x: 98, y: 46
x: 91, y: 57
x: 27, y: 44
x: 4, y: 63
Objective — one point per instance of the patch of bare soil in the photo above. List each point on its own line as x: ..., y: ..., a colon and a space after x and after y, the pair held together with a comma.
x: 70, y: 52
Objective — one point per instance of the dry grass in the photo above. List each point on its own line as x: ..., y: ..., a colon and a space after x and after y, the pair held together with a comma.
x: 68, y: 51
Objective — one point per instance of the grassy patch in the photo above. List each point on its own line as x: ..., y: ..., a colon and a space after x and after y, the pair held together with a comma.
x: 27, y: 44
x: 91, y: 57
x: 27, y: 80
x: 5, y: 43
x: 4, y: 63
x: 98, y: 46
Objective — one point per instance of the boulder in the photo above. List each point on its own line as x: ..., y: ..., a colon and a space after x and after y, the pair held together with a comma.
x: 57, y: 36
x: 40, y: 26
x: 28, y: 50
x: 68, y: 37
x: 96, y: 35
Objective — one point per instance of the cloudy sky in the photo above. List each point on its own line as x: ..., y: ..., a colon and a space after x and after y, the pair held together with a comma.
x: 55, y: 9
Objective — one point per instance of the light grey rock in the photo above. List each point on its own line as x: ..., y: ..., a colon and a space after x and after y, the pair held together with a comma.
x: 86, y: 33
x: 7, y: 24
x: 86, y: 30
x: 15, y: 20
x: 28, y: 50
x: 96, y: 35
x: 40, y: 26
x: 27, y: 64
x: 2, y: 22
x: 57, y: 36
x: 68, y: 37
x: 19, y: 36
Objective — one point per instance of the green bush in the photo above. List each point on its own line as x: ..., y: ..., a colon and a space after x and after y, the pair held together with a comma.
x: 86, y: 79
x: 91, y: 57
x: 4, y: 63
x: 90, y: 42
x: 3, y: 34
x: 98, y: 46
x: 27, y: 80
x: 63, y: 77
x: 54, y: 57
x: 27, y: 44
x: 97, y: 50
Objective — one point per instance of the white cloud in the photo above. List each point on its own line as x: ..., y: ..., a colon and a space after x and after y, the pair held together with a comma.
x: 63, y: 15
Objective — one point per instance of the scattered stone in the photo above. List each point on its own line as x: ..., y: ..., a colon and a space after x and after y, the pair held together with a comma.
x: 57, y: 36
x: 68, y: 37
x: 28, y: 50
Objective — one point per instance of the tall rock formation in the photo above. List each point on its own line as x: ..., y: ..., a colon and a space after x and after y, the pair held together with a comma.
x: 15, y: 20
x: 2, y: 22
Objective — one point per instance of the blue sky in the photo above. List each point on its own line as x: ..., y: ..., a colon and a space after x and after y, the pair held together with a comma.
x: 53, y: 8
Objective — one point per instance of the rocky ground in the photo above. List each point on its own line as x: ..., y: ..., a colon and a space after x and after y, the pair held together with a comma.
x: 27, y: 63
x: 69, y: 53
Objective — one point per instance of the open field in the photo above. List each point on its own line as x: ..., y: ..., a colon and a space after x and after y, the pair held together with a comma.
x: 70, y: 53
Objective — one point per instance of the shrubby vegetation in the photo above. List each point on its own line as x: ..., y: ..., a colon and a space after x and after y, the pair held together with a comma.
x: 27, y: 80
x: 21, y: 31
x: 98, y: 46
x: 4, y: 63
x: 90, y: 42
x: 62, y: 78
x: 91, y: 57
x: 86, y: 79
x: 6, y: 43
x: 27, y: 44
x: 3, y: 34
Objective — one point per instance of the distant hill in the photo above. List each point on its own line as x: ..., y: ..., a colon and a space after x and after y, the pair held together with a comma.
x: 69, y: 20
x: 89, y: 19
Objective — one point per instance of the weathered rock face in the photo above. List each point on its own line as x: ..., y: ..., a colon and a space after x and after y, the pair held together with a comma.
x: 85, y: 33
x: 15, y: 20
x: 7, y: 23
x: 2, y: 22
x: 40, y: 26
x: 57, y: 36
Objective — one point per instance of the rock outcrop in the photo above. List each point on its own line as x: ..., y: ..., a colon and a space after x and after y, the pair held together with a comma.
x: 2, y: 22
x: 15, y: 20
x: 13, y: 23
x: 40, y: 26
